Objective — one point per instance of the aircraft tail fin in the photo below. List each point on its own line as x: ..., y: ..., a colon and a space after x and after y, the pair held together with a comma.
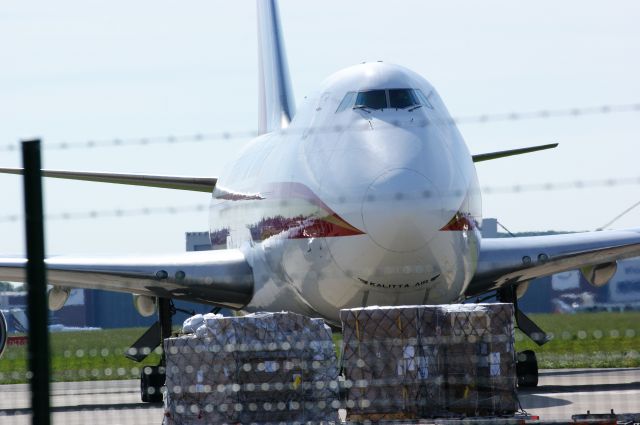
x: 276, y: 103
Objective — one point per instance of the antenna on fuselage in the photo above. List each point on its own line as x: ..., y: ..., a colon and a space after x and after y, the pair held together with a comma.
x: 276, y: 105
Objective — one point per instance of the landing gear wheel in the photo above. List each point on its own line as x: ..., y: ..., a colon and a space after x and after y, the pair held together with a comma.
x: 527, y: 369
x: 151, y: 381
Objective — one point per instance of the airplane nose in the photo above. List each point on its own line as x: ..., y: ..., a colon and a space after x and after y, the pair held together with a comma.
x: 402, y: 210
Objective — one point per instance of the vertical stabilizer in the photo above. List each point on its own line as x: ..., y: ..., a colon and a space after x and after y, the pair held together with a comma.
x: 276, y: 105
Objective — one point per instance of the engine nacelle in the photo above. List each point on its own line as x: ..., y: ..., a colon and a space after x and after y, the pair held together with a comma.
x: 600, y: 274
x: 4, y: 331
x: 145, y: 305
x: 57, y: 296
x: 521, y: 289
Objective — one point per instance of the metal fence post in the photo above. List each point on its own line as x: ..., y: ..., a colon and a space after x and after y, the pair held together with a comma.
x: 39, y: 361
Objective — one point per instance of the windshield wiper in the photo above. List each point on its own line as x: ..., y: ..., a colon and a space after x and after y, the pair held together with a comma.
x: 362, y: 107
x: 414, y: 108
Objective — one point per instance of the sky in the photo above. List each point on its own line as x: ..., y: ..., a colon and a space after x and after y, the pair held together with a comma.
x: 94, y: 70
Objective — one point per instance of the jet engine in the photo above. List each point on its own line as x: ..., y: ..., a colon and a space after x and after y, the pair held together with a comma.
x: 3, y: 333
x: 521, y: 289
x: 599, y: 274
x: 57, y: 296
x: 145, y: 305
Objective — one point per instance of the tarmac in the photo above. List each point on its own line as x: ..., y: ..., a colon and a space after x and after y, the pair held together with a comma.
x: 560, y: 394
x: 564, y: 392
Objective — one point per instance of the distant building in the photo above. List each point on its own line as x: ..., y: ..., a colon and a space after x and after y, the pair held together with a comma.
x: 198, y: 241
x: 489, y: 228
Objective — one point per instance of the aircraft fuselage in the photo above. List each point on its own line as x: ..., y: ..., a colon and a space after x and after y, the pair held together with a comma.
x: 357, y: 202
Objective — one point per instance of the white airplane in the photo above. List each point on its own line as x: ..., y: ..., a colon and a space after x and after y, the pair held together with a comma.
x: 367, y: 195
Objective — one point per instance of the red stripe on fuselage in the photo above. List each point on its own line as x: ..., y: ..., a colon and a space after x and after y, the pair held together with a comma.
x: 460, y: 222
x: 321, y: 223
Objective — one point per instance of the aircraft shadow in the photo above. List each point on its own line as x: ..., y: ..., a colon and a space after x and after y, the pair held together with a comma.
x: 575, y: 388
x: 537, y: 401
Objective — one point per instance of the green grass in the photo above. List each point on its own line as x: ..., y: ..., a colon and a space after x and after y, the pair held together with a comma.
x: 81, y: 356
x: 580, y: 340
x: 586, y: 340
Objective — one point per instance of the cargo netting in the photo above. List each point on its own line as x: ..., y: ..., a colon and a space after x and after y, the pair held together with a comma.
x: 415, y: 362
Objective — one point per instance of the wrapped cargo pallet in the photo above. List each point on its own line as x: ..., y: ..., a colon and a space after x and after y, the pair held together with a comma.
x: 478, y: 345
x: 391, y: 373
x: 261, y: 368
x: 413, y: 362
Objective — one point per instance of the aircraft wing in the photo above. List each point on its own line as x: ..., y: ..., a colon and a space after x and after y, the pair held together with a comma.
x: 220, y: 277
x: 196, y: 184
x: 502, y: 154
x: 504, y: 261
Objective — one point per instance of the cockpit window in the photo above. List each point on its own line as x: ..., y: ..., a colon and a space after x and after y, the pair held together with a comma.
x: 347, y: 102
x: 423, y: 99
x: 402, y: 98
x: 372, y: 99
x: 409, y: 99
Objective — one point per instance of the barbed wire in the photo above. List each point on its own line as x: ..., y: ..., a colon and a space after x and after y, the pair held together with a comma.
x: 233, y: 135
x: 485, y: 190
x: 140, y: 141
x: 550, y: 186
x: 549, y: 113
x: 113, y: 213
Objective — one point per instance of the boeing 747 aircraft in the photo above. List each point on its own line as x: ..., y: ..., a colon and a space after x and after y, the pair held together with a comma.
x: 366, y: 195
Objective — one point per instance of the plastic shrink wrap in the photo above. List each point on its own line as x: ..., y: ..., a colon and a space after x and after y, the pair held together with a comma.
x: 260, y: 368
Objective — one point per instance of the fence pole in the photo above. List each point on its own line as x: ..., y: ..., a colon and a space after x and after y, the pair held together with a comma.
x: 39, y: 361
